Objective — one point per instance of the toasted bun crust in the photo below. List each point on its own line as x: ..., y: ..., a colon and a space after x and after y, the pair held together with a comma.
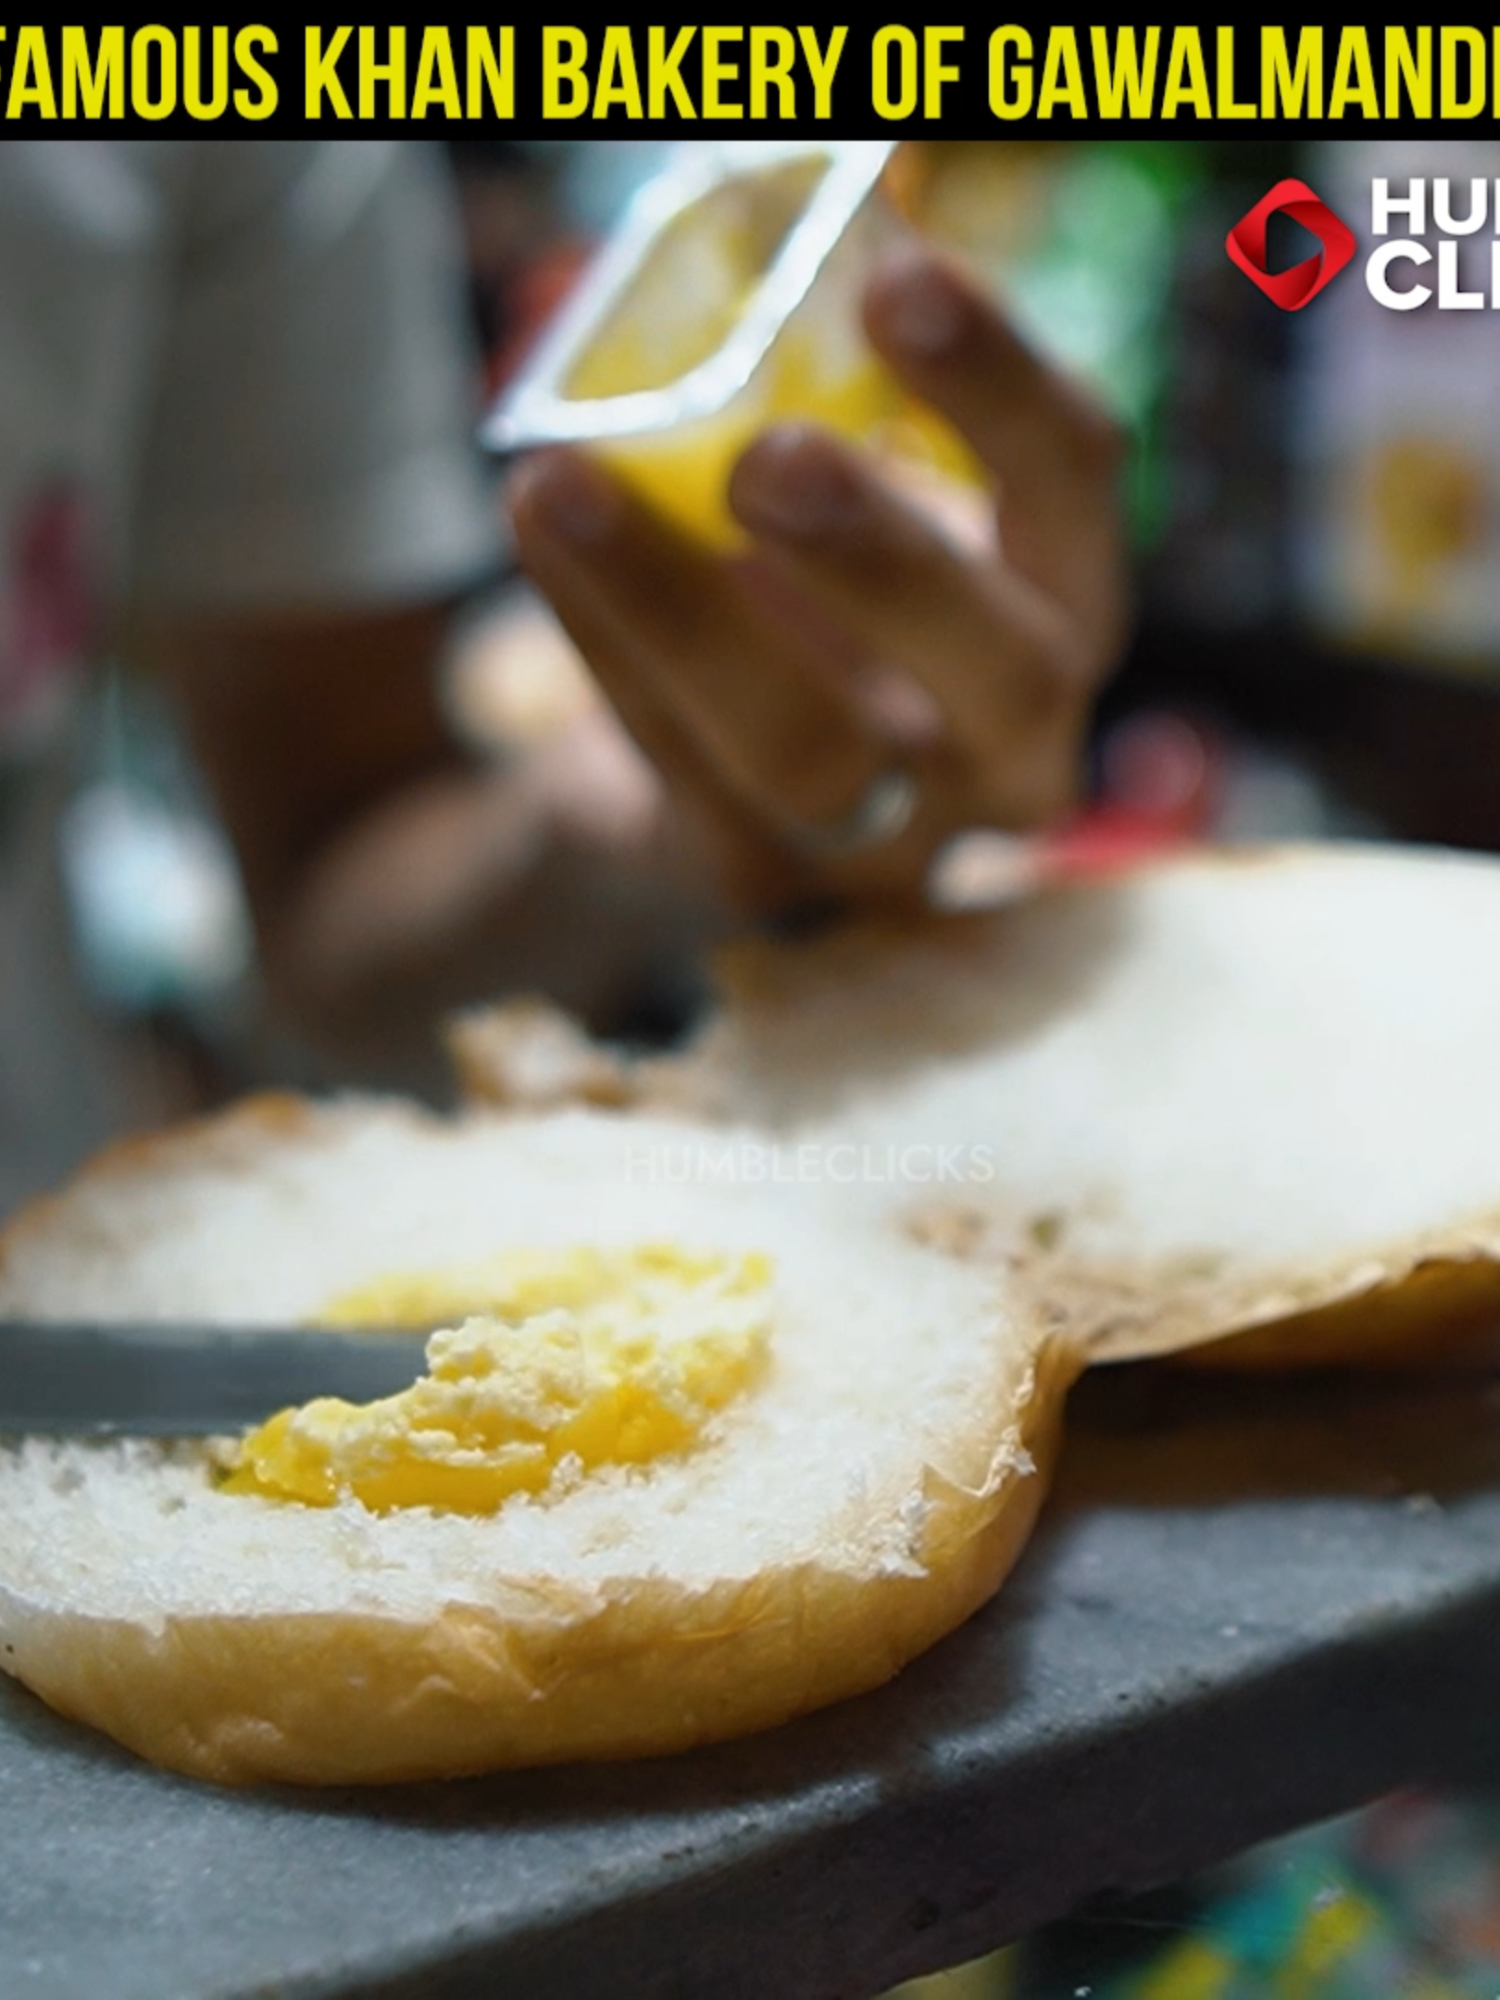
x: 638, y: 1667
x: 842, y: 1516
x: 529, y: 1056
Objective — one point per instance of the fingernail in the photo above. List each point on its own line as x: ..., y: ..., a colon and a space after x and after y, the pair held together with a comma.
x: 567, y: 496
x: 919, y: 304
x: 792, y: 482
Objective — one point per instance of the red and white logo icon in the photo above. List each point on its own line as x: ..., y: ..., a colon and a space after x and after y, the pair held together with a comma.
x: 1293, y: 289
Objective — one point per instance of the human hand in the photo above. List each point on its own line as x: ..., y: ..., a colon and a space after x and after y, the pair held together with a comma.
x: 830, y: 709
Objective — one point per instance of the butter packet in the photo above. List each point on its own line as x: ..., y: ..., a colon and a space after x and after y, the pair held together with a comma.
x: 728, y: 298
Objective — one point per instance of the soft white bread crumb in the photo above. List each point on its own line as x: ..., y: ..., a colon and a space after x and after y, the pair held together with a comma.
x: 1252, y: 1094
x: 840, y: 1516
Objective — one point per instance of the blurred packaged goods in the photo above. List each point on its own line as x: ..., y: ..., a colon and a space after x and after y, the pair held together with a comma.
x: 1219, y: 561
x: 1395, y: 437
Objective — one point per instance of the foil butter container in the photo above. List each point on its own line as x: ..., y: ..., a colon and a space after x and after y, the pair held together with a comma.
x: 727, y: 298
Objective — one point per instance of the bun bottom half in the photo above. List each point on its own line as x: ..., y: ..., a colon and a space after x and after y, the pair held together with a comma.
x: 548, y: 1672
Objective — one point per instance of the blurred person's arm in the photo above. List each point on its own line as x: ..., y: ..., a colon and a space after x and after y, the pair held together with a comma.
x: 311, y: 508
x: 392, y: 876
x: 864, y: 640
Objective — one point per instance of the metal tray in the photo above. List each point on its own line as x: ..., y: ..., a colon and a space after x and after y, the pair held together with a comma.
x: 1249, y: 1606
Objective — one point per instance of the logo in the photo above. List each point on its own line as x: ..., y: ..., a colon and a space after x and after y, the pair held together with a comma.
x: 1293, y: 289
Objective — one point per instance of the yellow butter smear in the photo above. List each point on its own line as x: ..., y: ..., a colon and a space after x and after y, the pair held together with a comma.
x: 586, y: 1358
x: 680, y: 308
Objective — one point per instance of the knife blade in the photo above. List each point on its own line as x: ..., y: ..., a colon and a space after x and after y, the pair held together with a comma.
x: 68, y: 1378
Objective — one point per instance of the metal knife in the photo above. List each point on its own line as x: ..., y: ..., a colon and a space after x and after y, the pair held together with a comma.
x: 71, y: 1379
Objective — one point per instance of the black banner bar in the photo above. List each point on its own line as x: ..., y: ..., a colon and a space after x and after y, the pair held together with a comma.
x: 565, y: 77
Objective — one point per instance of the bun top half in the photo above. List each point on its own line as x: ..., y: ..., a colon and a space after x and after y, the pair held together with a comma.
x: 1246, y: 1103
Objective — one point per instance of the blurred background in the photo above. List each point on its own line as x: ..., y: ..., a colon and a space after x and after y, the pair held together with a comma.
x: 1315, y: 501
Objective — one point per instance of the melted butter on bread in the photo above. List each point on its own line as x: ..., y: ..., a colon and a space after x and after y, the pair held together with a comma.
x: 519, y: 1283
x: 580, y: 1359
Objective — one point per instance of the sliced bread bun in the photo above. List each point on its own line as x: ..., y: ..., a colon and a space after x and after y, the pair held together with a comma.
x: 1248, y: 1095
x: 848, y: 1508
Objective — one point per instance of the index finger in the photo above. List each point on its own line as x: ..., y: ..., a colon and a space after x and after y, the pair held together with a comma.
x: 1054, y: 452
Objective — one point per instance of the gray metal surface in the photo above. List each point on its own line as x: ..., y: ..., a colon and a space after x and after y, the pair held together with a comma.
x: 1248, y: 1607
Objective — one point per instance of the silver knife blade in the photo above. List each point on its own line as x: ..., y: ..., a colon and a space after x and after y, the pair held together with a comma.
x: 71, y: 1379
